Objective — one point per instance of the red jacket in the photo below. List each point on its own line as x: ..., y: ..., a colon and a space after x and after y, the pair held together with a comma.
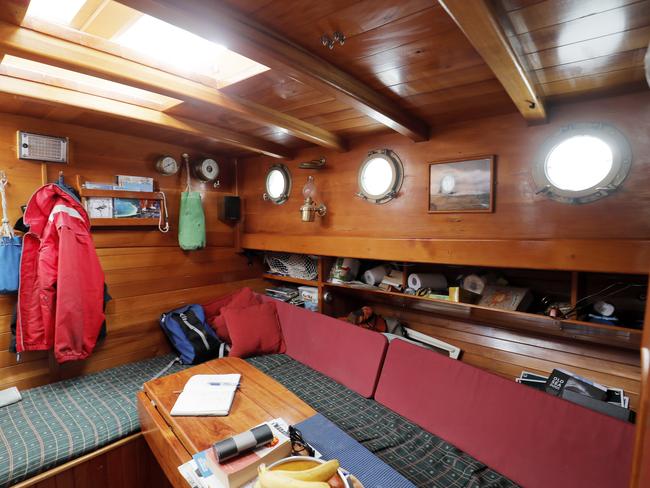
x: 60, y: 300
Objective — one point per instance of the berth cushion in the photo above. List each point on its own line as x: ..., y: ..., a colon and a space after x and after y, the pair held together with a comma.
x: 535, y: 439
x: 426, y: 460
x: 349, y: 354
x: 254, y: 330
x: 61, y: 421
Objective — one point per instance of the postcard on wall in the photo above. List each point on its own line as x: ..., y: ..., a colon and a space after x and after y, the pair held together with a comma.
x: 462, y: 186
x: 136, y: 209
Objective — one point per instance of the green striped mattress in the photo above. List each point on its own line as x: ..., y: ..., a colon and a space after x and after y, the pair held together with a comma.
x: 61, y: 421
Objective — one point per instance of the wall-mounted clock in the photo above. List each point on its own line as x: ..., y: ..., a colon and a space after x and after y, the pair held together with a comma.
x: 206, y: 169
x: 167, y: 165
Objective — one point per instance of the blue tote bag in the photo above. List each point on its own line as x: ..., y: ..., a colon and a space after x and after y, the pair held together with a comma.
x: 10, y: 250
x: 10, y: 247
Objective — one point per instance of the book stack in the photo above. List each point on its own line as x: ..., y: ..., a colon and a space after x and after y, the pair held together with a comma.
x: 286, y: 294
x: 580, y: 390
x: 204, y: 471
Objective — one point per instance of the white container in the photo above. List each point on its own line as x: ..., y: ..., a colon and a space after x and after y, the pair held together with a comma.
x: 309, y: 293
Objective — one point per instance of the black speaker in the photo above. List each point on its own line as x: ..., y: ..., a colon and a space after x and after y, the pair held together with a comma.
x: 229, y: 210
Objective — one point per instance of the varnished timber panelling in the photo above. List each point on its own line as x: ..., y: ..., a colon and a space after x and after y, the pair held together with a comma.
x: 524, y: 227
x: 641, y: 463
x: 128, y: 465
x: 147, y: 273
x: 578, y: 47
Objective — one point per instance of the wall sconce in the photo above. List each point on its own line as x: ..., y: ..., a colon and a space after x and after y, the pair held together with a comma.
x: 309, y: 209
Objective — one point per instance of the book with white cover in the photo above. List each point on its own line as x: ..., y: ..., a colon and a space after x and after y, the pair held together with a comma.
x: 207, y: 395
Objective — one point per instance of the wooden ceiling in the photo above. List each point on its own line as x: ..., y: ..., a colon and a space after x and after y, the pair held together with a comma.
x: 409, y: 66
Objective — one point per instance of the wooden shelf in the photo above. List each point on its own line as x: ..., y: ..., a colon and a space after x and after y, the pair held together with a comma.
x: 289, y: 279
x: 137, y: 195
x: 124, y: 222
x: 86, y: 193
x: 572, y: 329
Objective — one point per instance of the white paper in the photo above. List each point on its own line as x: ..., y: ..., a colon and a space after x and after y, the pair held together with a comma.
x: 207, y: 395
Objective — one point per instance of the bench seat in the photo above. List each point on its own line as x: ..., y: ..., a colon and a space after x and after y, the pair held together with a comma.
x: 61, y: 421
x: 426, y: 460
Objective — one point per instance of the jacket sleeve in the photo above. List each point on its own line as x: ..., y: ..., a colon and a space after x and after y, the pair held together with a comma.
x: 80, y: 291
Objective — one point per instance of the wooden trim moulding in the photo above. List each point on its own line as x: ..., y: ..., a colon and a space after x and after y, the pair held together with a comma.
x: 590, y: 255
x: 120, y: 110
x: 76, y: 462
x: 101, y: 60
x: 481, y: 27
x: 242, y: 34
x: 641, y: 460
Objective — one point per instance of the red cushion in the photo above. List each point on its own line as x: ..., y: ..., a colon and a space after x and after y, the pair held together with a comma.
x: 254, y: 330
x: 239, y: 299
x: 218, y: 323
x: 213, y: 308
x: 533, y: 438
x: 346, y: 353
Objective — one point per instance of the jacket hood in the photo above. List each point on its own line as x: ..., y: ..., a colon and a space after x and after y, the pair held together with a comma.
x: 43, y: 201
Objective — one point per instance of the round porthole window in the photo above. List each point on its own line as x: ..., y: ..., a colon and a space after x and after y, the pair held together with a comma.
x: 278, y: 184
x: 380, y: 176
x: 582, y: 163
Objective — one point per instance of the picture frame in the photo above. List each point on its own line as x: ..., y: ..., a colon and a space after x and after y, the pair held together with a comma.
x: 462, y: 185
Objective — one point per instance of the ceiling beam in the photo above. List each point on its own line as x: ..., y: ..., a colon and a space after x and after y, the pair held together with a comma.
x: 480, y: 25
x: 111, y: 108
x: 218, y: 23
x: 13, y: 11
x: 37, y: 46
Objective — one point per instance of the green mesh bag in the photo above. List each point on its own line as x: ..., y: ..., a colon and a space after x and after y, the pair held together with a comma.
x: 191, y: 223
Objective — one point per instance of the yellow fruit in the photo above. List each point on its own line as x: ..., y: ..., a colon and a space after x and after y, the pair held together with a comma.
x: 322, y: 472
x: 272, y: 479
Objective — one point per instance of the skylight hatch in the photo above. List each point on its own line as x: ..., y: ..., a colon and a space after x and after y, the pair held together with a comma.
x: 154, y: 38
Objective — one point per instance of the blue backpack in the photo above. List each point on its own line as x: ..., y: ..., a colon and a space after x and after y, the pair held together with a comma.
x: 191, y: 336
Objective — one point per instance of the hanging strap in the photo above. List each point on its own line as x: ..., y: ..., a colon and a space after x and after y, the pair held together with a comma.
x: 163, y: 219
x: 188, y: 187
x: 6, y: 229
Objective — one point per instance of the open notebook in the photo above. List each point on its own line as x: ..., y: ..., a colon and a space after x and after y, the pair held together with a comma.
x: 207, y: 394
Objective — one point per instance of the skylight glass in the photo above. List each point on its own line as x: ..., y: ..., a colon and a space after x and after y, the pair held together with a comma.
x: 57, y: 11
x: 187, y: 51
x: 63, y: 78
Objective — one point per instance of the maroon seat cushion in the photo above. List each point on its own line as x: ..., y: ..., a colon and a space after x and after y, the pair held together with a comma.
x: 213, y: 308
x: 533, y: 438
x: 254, y: 330
x: 344, y: 352
x: 236, y: 300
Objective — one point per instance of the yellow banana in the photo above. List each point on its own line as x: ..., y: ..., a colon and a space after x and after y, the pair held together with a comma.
x: 272, y: 479
x: 322, y: 472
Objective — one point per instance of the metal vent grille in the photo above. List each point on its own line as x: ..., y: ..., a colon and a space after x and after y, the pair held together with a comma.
x: 42, y: 148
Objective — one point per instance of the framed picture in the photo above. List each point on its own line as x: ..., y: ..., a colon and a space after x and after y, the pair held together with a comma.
x: 463, y: 185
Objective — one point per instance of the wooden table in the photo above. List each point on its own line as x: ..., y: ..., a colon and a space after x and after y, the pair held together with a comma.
x: 174, y: 440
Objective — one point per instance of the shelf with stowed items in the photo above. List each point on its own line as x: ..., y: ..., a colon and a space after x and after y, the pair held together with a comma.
x: 562, y: 304
x: 125, y: 204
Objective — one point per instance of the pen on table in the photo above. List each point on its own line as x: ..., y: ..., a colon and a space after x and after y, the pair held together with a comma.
x: 237, y: 385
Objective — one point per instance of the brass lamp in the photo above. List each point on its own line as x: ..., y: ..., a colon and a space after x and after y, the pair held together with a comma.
x: 309, y: 209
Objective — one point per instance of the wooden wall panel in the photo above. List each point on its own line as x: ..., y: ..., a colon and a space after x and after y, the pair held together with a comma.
x: 525, y: 230
x: 147, y: 273
x: 128, y: 464
x: 641, y: 463
x: 519, y: 213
